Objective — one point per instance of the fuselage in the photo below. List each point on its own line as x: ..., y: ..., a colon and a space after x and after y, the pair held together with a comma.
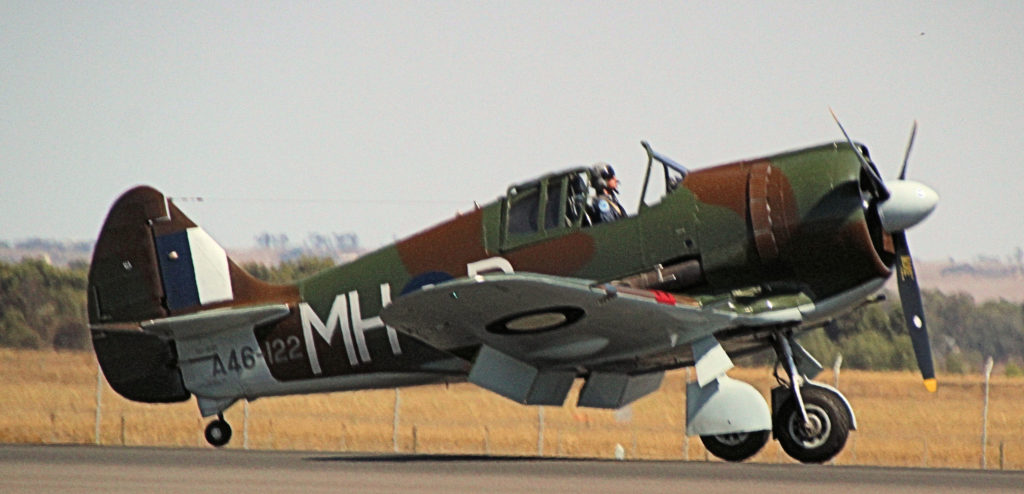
x: 793, y: 222
x: 788, y: 224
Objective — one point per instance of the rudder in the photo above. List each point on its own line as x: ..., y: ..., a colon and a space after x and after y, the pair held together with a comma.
x: 124, y: 278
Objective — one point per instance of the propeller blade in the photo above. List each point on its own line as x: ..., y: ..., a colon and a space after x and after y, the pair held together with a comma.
x: 906, y: 155
x: 913, y: 310
x: 880, y: 189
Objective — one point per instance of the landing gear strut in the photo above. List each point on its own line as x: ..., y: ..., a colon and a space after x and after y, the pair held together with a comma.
x: 218, y: 432
x: 810, y: 420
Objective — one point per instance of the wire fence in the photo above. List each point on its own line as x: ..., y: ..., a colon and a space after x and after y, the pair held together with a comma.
x: 60, y: 399
x: 153, y: 426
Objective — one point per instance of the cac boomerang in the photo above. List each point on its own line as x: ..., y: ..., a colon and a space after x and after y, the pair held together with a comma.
x: 525, y: 295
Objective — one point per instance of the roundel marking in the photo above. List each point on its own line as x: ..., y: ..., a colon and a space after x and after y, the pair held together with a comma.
x: 537, y: 320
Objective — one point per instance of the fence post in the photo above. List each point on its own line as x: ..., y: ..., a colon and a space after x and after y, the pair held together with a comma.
x: 686, y: 438
x: 540, y: 431
x: 99, y: 401
x: 835, y: 370
x: 984, y: 415
x: 245, y: 425
x: 394, y: 427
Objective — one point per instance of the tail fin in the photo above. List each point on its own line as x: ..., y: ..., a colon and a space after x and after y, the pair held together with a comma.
x: 150, y: 262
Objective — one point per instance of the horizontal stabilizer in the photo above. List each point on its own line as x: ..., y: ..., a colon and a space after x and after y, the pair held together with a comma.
x: 209, y: 322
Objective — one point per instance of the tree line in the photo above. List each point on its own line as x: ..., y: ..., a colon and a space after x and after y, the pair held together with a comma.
x: 44, y: 306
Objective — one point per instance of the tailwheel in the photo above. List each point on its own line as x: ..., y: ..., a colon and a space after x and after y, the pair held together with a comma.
x: 824, y: 433
x: 218, y: 432
x: 735, y: 446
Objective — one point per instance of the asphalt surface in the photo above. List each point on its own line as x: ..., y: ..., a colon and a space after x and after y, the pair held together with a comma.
x: 72, y: 469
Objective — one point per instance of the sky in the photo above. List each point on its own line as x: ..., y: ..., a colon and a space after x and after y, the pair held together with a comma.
x: 383, y: 118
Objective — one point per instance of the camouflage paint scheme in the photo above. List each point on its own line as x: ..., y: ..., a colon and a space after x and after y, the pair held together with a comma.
x: 755, y: 236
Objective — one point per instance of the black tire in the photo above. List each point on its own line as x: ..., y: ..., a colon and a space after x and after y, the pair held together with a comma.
x: 218, y: 433
x: 735, y: 447
x: 830, y: 423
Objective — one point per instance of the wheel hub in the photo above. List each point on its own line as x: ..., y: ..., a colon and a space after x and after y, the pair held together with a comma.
x: 815, y: 432
x: 733, y: 439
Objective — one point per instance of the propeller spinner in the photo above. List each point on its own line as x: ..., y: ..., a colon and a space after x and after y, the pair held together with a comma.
x: 901, y: 205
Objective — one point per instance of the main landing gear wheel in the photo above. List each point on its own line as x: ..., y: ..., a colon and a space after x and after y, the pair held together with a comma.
x: 218, y: 433
x: 735, y: 447
x: 823, y: 436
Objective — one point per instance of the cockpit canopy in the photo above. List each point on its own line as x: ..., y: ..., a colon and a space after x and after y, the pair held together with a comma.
x: 547, y: 206
x: 561, y: 201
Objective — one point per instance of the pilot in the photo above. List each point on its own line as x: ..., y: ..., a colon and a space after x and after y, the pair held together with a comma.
x: 606, y: 207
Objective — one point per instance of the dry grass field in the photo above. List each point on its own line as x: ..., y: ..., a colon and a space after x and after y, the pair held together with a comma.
x: 49, y: 397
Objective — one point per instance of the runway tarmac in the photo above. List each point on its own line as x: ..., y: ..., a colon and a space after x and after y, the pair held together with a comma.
x: 73, y: 469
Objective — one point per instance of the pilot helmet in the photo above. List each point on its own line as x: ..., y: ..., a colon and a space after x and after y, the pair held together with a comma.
x: 602, y: 173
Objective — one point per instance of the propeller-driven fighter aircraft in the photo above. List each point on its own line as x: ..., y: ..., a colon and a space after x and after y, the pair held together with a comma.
x: 527, y: 294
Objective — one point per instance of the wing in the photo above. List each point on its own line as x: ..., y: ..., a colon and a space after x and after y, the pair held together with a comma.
x: 530, y: 335
x: 556, y: 321
x: 552, y: 322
